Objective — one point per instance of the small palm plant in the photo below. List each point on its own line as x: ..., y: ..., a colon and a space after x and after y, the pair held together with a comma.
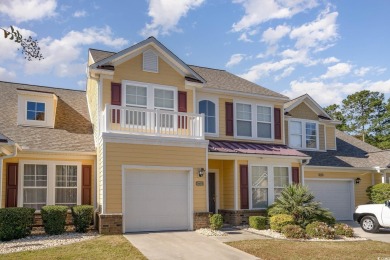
x: 298, y: 201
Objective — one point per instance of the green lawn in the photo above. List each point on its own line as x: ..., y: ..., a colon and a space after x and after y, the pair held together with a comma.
x: 286, y: 249
x: 104, y: 247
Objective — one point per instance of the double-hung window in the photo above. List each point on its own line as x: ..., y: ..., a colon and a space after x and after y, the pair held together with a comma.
x: 207, y: 108
x: 303, y: 134
x: 281, y: 179
x: 34, y: 186
x: 66, y: 185
x: 259, y: 186
x: 254, y: 121
x: 264, y: 122
x: 136, y: 96
x: 164, y: 100
x: 244, y: 119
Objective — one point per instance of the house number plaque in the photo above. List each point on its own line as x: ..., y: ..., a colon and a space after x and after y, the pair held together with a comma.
x: 199, y: 183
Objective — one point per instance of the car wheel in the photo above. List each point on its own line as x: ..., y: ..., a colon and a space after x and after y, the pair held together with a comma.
x: 369, y: 224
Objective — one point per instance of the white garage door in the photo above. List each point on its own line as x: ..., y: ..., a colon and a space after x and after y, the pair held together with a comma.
x: 335, y: 195
x: 156, y: 201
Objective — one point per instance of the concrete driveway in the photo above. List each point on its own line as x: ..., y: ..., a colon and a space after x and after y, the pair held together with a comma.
x: 383, y: 234
x: 183, y: 245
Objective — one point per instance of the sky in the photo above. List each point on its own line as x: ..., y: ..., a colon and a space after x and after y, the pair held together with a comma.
x: 328, y: 49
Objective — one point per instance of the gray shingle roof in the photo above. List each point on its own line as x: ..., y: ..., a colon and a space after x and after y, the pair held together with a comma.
x: 72, y: 130
x: 351, y: 152
x: 99, y: 55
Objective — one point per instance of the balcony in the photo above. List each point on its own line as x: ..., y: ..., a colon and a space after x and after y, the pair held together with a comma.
x: 149, y: 122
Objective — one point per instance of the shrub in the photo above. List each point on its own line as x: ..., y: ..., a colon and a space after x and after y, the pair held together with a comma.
x: 297, y: 201
x: 379, y: 193
x: 293, y: 231
x: 82, y: 217
x: 277, y: 222
x: 15, y: 223
x: 342, y: 229
x: 320, y: 230
x: 258, y: 222
x: 216, y: 221
x: 54, y: 219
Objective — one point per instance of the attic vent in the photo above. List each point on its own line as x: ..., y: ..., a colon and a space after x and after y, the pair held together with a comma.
x: 150, y: 62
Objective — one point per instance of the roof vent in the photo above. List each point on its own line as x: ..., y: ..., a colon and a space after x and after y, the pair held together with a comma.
x: 150, y: 61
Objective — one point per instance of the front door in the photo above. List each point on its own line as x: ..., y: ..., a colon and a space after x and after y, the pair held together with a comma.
x: 212, y: 207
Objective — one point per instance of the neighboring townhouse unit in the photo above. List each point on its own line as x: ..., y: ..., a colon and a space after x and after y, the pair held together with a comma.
x: 165, y: 144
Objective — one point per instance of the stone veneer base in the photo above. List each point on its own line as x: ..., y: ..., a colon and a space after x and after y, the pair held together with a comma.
x: 110, y: 224
x: 239, y: 217
x: 201, y: 220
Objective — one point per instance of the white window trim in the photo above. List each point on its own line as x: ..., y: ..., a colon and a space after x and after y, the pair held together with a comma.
x: 143, y: 61
x: 51, y: 178
x: 34, y: 121
x: 254, y: 120
x: 303, y: 125
x: 216, y: 103
x: 149, y: 93
x: 271, y: 193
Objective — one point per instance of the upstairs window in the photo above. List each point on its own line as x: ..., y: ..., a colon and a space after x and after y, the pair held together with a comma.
x: 244, y: 120
x: 207, y: 108
x: 150, y: 61
x: 35, y: 111
x: 264, y: 122
x: 303, y: 134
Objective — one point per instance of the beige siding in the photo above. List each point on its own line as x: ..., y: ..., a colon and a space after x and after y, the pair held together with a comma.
x: 218, y: 165
x: 321, y: 137
x: 42, y: 158
x: 360, y: 189
x: 228, y: 184
x: 303, y: 111
x: 149, y: 155
x: 92, y: 98
x: 330, y: 137
x: 286, y: 131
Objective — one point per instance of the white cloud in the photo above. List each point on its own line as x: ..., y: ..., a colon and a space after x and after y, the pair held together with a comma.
x: 235, y: 59
x: 166, y: 14
x: 330, y: 60
x: 260, y: 11
x: 80, y: 13
x: 338, y: 70
x: 27, y: 10
x: 272, y: 36
x: 63, y: 56
x: 362, y: 71
x: 287, y: 72
x: 318, y: 34
x: 6, y: 75
x: 380, y: 86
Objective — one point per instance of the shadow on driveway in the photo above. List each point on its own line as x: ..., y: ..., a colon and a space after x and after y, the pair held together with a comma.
x: 383, y: 235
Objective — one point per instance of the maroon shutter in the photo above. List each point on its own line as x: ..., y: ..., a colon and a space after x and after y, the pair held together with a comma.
x: 277, y: 123
x: 86, y: 185
x: 244, y: 186
x: 12, y: 185
x: 116, y: 99
x: 229, y: 118
x: 295, y: 175
x: 182, y: 107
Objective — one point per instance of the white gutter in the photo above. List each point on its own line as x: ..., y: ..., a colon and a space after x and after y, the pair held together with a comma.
x: 15, y: 153
x: 304, y: 162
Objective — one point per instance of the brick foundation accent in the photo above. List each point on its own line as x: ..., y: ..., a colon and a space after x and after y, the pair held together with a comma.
x: 241, y: 216
x: 110, y: 224
x: 38, y: 222
x: 201, y: 220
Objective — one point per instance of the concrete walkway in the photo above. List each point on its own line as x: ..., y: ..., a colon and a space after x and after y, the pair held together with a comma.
x: 186, y: 245
x: 383, y: 235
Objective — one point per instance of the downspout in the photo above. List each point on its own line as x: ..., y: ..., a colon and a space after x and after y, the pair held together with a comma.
x: 304, y: 162
x: 15, y: 153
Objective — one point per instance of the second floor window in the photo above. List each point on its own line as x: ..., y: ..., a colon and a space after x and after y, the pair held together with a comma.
x: 207, y: 108
x: 244, y: 119
x: 303, y: 134
x: 254, y: 121
x: 35, y: 111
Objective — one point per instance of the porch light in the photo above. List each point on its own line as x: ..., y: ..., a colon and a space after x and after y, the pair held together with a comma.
x: 201, y: 172
x: 357, y: 180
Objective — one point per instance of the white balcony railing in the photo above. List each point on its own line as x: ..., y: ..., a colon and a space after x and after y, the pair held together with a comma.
x: 131, y: 120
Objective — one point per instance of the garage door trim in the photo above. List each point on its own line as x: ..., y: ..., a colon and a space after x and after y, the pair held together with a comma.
x: 188, y: 170
x: 352, y: 183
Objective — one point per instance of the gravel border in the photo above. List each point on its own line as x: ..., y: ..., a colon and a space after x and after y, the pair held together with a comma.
x: 211, y: 233
x: 35, y: 242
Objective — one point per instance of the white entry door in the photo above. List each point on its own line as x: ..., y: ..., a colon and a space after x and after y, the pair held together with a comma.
x: 336, y: 195
x: 156, y: 201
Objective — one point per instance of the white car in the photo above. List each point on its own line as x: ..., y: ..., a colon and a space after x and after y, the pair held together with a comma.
x: 371, y: 217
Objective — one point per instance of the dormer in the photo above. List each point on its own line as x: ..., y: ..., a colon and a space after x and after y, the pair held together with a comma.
x: 36, y: 108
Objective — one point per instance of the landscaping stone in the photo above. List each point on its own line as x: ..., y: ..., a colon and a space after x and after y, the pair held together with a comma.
x: 210, y: 232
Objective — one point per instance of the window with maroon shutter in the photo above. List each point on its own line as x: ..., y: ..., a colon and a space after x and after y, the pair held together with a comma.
x: 277, y: 123
x: 182, y: 107
x: 86, y: 185
x: 244, y: 186
x: 116, y: 99
x: 229, y: 118
x: 295, y: 175
x: 11, y: 185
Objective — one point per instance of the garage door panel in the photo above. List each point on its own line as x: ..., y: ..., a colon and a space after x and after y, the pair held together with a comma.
x: 156, y: 200
x: 334, y: 195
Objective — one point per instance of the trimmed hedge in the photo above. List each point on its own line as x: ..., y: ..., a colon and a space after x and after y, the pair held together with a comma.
x: 216, y: 221
x: 15, y: 223
x: 54, y: 219
x: 258, y: 222
x: 379, y: 193
x: 294, y: 231
x: 82, y: 217
x: 342, y: 229
x: 320, y: 230
x: 278, y: 221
